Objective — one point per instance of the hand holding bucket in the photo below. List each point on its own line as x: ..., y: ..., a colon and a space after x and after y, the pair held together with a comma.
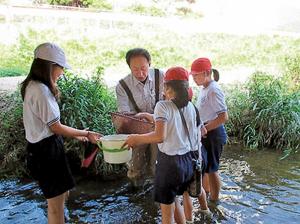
x: 113, y: 149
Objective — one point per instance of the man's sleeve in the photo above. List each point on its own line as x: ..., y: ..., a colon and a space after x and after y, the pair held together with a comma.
x: 122, y: 100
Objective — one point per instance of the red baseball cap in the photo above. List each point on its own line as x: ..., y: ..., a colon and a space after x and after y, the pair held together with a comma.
x: 200, y: 65
x: 176, y: 73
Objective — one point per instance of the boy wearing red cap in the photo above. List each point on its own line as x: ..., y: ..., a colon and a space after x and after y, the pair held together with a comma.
x: 174, y: 166
x: 213, y: 112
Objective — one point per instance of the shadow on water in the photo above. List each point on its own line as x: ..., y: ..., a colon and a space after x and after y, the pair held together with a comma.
x: 257, y: 188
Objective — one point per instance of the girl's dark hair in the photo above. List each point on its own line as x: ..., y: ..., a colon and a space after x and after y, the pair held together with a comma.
x: 216, y: 74
x: 40, y: 71
x: 180, y: 88
x: 137, y: 52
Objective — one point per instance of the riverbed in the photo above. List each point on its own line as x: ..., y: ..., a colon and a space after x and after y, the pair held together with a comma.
x: 257, y: 188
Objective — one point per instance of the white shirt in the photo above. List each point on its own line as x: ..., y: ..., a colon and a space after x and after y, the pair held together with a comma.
x: 40, y: 111
x: 211, y: 102
x: 176, y: 141
x: 143, y: 94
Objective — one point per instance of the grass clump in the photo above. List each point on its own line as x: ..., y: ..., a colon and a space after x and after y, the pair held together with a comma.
x: 265, y: 112
x: 83, y: 103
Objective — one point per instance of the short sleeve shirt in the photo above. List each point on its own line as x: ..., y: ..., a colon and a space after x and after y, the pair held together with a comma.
x: 211, y: 102
x: 176, y: 141
x: 40, y: 111
x: 143, y: 94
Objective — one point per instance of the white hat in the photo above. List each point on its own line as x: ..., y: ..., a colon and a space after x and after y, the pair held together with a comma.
x: 51, y: 52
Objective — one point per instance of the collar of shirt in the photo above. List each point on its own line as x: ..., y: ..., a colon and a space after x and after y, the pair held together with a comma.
x: 137, y: 82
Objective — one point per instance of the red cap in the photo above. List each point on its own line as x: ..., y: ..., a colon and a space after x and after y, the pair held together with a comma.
x: 200, y: 65
x: 176, y: 73
x: 190, y: 92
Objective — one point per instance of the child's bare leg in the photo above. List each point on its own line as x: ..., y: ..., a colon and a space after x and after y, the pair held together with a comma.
x: 187, y: 206
x: 215, y: 185
x: 206, y: 185
x: 202, y: 200
x: 179, y: 213
x: 167, y: 213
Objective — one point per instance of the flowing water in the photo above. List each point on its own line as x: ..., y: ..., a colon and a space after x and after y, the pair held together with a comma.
x: 257, y: 188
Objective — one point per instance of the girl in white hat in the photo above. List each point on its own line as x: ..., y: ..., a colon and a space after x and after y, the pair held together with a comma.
x: 46, y: 159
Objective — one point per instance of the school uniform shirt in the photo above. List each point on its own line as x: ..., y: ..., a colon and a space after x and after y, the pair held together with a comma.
x: 40, y: 111
x: 176, y: 141
x: 211, y: 102
x: 143, y: 94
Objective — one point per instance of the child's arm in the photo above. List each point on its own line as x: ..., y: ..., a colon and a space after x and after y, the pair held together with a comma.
x: 213, y: 124
x: 203, y: 130
x: 157, y: 136
x: 60, y: 129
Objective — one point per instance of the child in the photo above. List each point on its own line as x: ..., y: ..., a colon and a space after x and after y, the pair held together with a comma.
x: 174, y: 167
x: 46, y: 158
x: 213, y: 112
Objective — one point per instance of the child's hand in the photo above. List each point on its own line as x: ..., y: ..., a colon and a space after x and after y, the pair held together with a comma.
x: 94, y: 137
x: 131, y: 141
x: 82, y: 138
x: 203, y: 131
x: 146, y: 116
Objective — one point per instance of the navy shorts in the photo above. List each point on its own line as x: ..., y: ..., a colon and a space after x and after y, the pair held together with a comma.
x: 47, y: 163
x: 213, y: 145
x: 172, y: 176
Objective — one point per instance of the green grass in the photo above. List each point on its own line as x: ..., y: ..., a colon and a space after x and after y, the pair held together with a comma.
x: 265, y: 111
x: 12, y: 134
x: 143, y: 10
x: 167, y: 48
x: 84, y: 103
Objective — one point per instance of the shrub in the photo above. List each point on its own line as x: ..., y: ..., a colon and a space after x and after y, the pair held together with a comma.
x: 12, y: 134
x: 83, y: 103
x: 87, y: 103
x: 292, y: 72
x: 265, y: 114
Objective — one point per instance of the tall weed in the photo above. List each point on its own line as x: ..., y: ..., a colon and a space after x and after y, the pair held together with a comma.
x: 266, y: 113
x: 84, y: 103
x: 87, y: 103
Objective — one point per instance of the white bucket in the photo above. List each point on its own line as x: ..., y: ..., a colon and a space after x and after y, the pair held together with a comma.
x: 112, y: 149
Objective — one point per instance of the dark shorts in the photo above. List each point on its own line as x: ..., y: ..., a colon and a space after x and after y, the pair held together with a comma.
x: 47, y: 163
x: 172, y: 176
x: 213, y: 145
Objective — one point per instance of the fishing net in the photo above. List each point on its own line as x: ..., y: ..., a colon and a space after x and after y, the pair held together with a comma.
x: 128, y: 124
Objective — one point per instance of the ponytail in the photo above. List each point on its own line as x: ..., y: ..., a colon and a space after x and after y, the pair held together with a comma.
x: 216, y: 74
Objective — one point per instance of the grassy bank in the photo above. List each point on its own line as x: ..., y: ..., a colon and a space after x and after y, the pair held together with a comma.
x: 265, y: 111
x: 108, y: 51
x: 85, y: 103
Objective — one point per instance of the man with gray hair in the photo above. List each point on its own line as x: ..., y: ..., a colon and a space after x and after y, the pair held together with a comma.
x: 139, y: 92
